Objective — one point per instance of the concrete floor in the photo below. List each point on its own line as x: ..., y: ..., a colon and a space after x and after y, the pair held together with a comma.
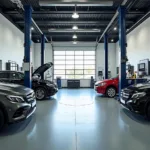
x: 78, y: 120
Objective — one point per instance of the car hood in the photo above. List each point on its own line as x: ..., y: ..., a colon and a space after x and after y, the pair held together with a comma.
x: 14, y: 89
x: 138, y: 87
x: 43, y: 68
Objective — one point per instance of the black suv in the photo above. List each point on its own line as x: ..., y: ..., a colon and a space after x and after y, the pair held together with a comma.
x: 136, y: 98
x: 42, y: 88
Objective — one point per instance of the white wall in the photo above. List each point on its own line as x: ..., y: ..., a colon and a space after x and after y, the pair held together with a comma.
x: 11, y: 42
x: 100, y: 56
x: 138, y: 44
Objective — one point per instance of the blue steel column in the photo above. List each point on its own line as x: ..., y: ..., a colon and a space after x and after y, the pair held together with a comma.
x: 42, y: 52
x: 122, y: 43
x: 106, y: 55
x: 28, y: 15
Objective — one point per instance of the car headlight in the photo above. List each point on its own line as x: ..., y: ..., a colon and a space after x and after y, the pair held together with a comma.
x: 138, y: 95
x: 101, y: 84
x: 15, y: 99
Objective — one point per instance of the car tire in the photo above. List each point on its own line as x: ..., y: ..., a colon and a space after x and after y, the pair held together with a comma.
x: 148, y: 112
x: 1, y: 119
x: 111, y: 92
x: 40, y: 93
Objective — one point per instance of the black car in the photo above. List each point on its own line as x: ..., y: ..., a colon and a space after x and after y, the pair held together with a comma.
x: 136, y: 98
x: 17, y: 103
x: 42, y: 88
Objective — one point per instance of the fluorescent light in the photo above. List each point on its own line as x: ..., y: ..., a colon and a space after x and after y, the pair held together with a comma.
x: 74, y: 42
x: 75, y: 15
x: 75, y: 27
x: 74, y: 36
x: 112, y: 40
x: 115, y: 28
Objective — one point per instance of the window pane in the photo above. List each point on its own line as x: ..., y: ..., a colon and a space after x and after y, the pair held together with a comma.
x: 89, y: 62
x: 89, y: 72
x: 78, y: 57
x: 89, y: 66
x: 88, y: 76
x: 78, y: 52
x: 59, y: 52
x: 59, y: 62
x: 78, y: 76
x: 89, y: 52
x: 78, y: 71
x: 69, y: 66
x: 70, y: 57
x: 69, y: 71
x: 61, y: 76
x: 59, y: 66
x: 69, y: 52
x: 59, y: 57
x: 78, y: 62
x: 89, y: 57
x: 78, y: 66
x: 70, y: 62
x: 69, y: 76
x: 59, y: 71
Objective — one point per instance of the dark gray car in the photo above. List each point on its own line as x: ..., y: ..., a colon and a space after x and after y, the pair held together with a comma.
x: 16, y: 103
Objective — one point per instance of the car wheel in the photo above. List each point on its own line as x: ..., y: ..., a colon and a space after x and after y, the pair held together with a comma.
x: 40, y: 93
x: 1, y: 119
x: 148, y: 112
x: 111, y: 92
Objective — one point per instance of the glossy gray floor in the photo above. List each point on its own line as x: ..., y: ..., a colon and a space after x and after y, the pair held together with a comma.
x: 78, y: 120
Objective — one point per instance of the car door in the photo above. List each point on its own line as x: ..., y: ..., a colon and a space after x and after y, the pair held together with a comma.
x: 16, y: 78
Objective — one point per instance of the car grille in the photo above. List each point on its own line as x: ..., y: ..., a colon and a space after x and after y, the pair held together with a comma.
x: 126, y: 94
x: 30, y: 97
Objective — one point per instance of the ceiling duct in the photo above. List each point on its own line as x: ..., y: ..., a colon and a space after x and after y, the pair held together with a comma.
x: 75, y: 2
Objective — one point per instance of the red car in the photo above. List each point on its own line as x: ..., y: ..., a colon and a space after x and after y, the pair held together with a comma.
x: 108, y: 87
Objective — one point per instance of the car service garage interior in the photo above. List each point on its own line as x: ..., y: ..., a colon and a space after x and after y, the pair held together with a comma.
x: 74, y: 74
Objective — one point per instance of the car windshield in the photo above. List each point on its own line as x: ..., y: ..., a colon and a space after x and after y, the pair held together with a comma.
x: 21, y: 75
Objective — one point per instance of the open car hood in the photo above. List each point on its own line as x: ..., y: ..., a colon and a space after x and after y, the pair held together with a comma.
x: 43, y: 68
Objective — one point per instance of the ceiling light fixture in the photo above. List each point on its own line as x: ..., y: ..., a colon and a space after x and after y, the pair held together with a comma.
x: 115, y: 28
x: 74, y: 36
x: 75, y: 27
x: 75, y: 15
x: 112, y: 40
x: 74, y: 42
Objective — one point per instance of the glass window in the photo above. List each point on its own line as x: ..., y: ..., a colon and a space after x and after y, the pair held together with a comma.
x: 89, y: 72
x: 59, y: 57
x: 74, y: 64
x: 89, y: 57
x: 69, y: 76
x: 89, y: 52
x: 59, y: 62
x: 59, y: 52
x: 70, y: 57
x: 69, y: 52
x: 89, y: 62
x: 59, y: 71
x: 78, y: 71
x: 78, y: 52
x: 14, y: 75
x: 69, y: 71
x: 78, y: 76
x: 59, y: 66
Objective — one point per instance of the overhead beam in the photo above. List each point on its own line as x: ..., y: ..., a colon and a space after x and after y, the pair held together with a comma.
x: 70, y: 12
x: 43, y: 22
